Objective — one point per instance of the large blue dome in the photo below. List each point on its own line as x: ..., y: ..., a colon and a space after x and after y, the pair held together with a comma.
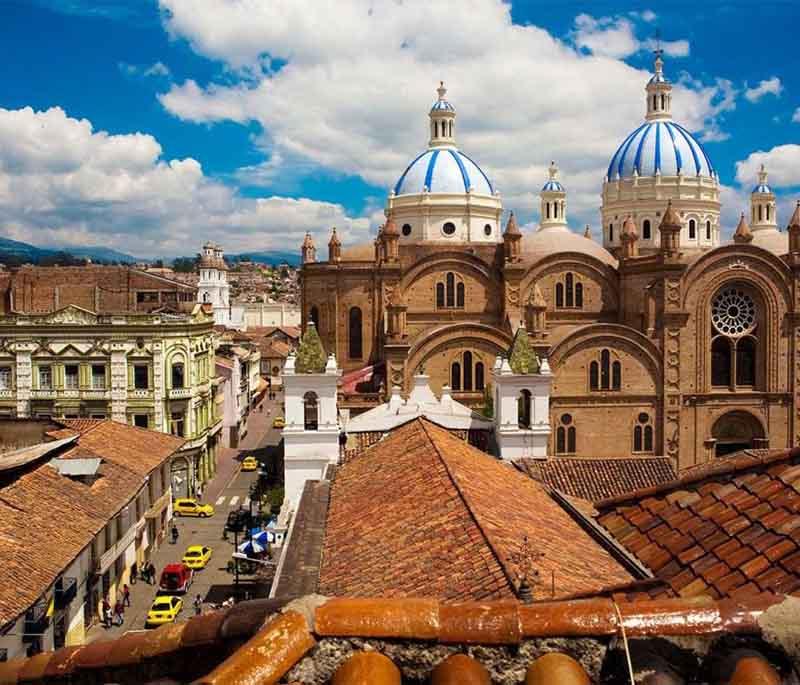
x: 662, y: 146
x: 443, y: 170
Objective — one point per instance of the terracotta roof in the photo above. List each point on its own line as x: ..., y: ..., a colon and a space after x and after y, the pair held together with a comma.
x: 422, y: 513
x: 274, y: 348
x: 251, y: 643
x: 728, y: 528
x: 596, y: 479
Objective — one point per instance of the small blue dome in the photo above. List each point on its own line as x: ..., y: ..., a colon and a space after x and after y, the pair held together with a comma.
x: 443, y: 170
x: 762, y: 188
x: 442, y: 105
x: 553, y: 186
x: 662, y: 146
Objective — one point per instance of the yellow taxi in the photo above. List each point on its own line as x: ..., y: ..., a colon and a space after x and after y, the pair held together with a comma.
x: 165, y: 609
x: 249, y: 464
x: 188, y: 506
x: 278, y: 422
x: 196, y: 556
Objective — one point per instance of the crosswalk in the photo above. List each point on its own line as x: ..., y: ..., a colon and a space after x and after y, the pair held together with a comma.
x: 233, y: 501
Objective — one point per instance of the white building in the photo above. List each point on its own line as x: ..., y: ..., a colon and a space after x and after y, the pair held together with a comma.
x: 213, y: 288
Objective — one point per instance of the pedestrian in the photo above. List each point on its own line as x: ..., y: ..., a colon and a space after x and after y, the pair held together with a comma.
x: 134, y: 571
x: 119, y: 612
x: 198, y: 605
x: 174, y: 534
x: 106, y: 612
x: 126, y: 596
x: 151, y: 573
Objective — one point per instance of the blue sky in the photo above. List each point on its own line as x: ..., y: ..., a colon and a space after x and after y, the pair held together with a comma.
x: 257, y: 122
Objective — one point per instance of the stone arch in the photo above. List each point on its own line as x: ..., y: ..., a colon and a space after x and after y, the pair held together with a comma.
x: 443, y: 261
x: 737, y: 430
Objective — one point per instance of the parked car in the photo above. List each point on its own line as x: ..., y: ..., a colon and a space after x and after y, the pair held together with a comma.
x: 278, y: 422
x: 165, y: 609
x: 188, y: 506
x: 176, y: 578
x: 197, y: 556
x: 249, y: 464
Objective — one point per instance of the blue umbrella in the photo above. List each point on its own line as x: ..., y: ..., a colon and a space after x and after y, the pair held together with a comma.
x: 251, y: 547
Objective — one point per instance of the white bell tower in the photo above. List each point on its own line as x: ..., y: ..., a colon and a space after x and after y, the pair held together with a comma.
x: 553, y: 202
x: 762, y: 205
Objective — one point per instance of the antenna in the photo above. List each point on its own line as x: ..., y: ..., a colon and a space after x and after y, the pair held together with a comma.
x: 658, y: 51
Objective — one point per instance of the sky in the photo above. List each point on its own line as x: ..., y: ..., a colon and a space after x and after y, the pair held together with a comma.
x: 150, y: 126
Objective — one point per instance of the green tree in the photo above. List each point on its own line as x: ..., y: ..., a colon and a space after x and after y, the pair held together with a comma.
x: 523, y: 359
x: 184, y: 265
x: 488, y: 402
x: 311, y: 356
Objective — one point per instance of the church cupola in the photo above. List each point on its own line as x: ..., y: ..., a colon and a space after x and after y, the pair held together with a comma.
x: 308, y: 250
x: 512, y: 239
x: 762, y: 204
x: 334, y: 247
x: 743, y: 234
x: 443, y: 120
x: 553, y: 201
x: 659, y: 93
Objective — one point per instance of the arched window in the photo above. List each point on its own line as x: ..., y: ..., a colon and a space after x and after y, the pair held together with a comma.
x: 662, y: 100
x: 605, y: 370
x: 692, y: 229
x: 467, y: 371
x: 455, y: 376
x: 178, y: 375
x: 479, y: 380
x: 440, y: 294
x: 646, y: 235
x: 643, y: 434
x: 655, y: 102
x: 559, y: 294
x: 547, y: 209
x: 721, y: 361
x: 746, y: 361
x: 310, y: 411
x: 611, y: 233
x: 579, y: 295
x: 708, y: 230
x: 570, y: 293
x: 571, y: 439
x: 314, y: 316
x: 555, y: 210
x: 524, y: 408
x: 648, y: 438
x: 460, y: 294
x: 451, y: 286
x: 759, y: 212
x: 451, y: 129
x: 566, y: 435
x: 638, y: 439
x: 616, y: 376
x: 561, y: 440
x: 356, y: 334
x: 594, y: 376
x: 767, y: 212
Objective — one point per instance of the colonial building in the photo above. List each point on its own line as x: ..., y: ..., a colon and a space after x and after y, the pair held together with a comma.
x: 687, y: 347
x: 111, y: 342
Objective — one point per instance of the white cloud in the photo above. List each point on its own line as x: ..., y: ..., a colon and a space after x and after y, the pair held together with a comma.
x: 796, y: 116
x: 356, y: 101
x: 61, y: 182
x: 782, y: 162
x: 648, y: 15
x: 605, y: 36
x: 771, y: 86
x: 159, y: 69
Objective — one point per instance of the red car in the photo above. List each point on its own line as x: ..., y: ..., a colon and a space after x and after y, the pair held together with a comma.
x: 175, y: 578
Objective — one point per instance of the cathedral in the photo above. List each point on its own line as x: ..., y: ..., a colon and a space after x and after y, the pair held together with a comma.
x: 661, y: 340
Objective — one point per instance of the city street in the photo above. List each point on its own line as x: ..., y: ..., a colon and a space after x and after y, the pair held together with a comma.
x: 227, y: 491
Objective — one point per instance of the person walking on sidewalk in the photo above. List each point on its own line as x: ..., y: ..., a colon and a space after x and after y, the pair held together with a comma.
x: 105, y: 608
x: 126, y: 596
x: 174, y: 534
x: 198, y: 605
x: 119, y: 612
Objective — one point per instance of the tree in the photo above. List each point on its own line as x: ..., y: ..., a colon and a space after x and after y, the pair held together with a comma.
x: 523, y: 359
x: 184, y: 265
x: 488, y: 402
x: 311, y: 356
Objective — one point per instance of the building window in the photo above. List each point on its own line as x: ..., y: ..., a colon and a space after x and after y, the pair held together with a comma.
x: 451, y: 293
x: 314, y: 316
x: 440, y: 294
x: 355, y: 339
x: 643, y: 434
x: 569, y: 293
x: 565, y: 435
x: 524, y: 409
x: 141, y: 376
x: 310, y: 411
x: 71, y: 376
x: 460, y: 294
x: 692, y: 229
x: 611, y: 233
x: 449, y: 228
x: 646, y: 230
x: 734, y: 328
x: 759, y: 213
x: 140, y: 420
x: 767, y: 212
x: 5, y: 378
x: 487, y: 229
x: 547, y: 210
x: 479, y: 380
x: 455, y: 376
x: 178, y: 379
x: 467, y: 371
x: 176, y: 424
x: 45, y: 378
x: 605, y: 374
x: 708, y: 230
x: 406, y: 229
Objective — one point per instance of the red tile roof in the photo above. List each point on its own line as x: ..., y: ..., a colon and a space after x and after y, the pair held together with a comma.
x: 728, y: 528
x: 596, y: 479
x: 423, y: 513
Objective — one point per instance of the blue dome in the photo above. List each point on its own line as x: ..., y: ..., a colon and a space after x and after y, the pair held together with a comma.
x: 444, y: 105
x: 662, y: 146
x: 762, y: 188
x: 443, y: 170
x: 553, y: 186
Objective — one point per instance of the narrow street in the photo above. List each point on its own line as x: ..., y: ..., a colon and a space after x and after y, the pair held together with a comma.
x: 227, y: 491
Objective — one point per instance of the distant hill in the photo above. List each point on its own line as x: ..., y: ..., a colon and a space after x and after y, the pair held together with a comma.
x: 14, y: 250
x: 272, y: 258
x: 102, y: 254
x: 23, y: 250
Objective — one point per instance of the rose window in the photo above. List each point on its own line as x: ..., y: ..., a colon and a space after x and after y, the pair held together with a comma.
x: 733, y: 312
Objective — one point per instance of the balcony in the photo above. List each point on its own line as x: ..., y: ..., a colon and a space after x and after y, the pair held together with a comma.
x: 140, y: 393
x: 66, y: 589
x: 6, y: 394
x: 180, y: 393
x: 36, y: 621
x: 43, y: 394
x: 95, y: 394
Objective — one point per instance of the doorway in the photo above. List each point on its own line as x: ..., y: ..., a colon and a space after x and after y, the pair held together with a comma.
x: 736, y: 431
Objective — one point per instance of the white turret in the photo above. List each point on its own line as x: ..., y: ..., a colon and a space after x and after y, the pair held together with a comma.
x: 553, y: 202
x: 762, y: 205
x: 443, y: 120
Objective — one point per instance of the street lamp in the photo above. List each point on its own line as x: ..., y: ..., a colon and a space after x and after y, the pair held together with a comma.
x: 237, y: 522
